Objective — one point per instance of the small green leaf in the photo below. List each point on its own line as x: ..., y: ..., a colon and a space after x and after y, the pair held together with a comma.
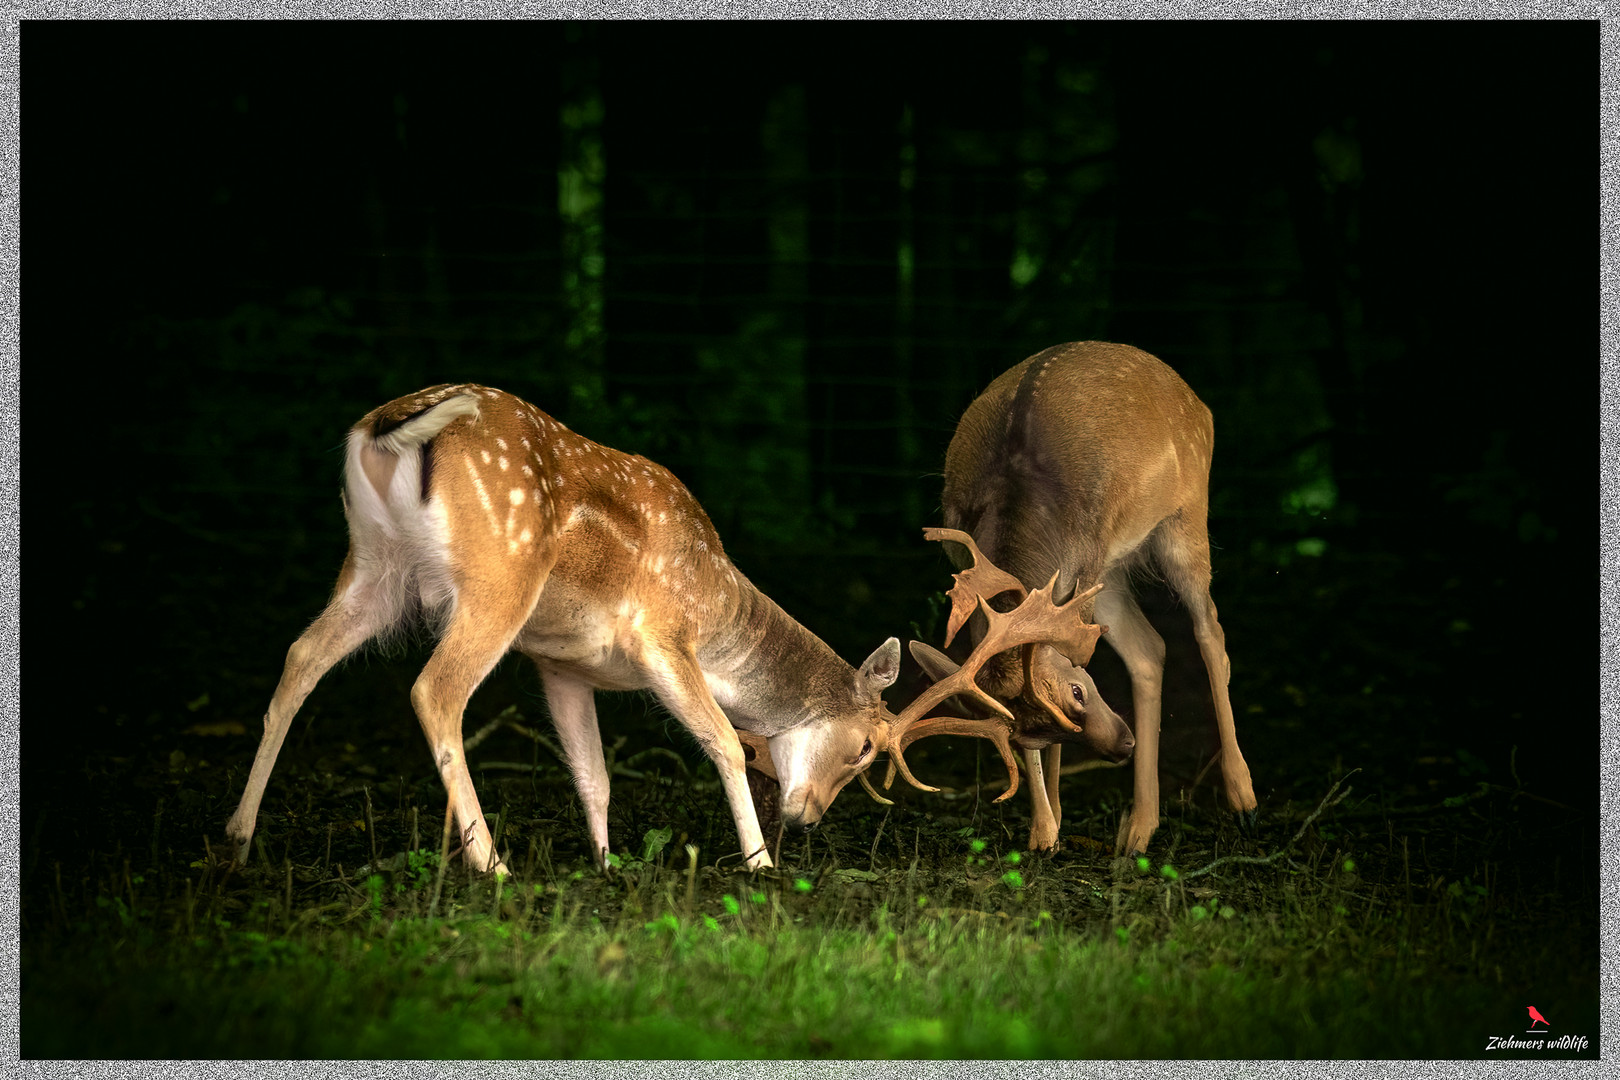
x: 1199, y: 912
x: 1013, y: 857
x: 653, y: 843
x: 729, y: 902
x: 1142, y: 863
x: 666, y: 921
x: 1169, y: 872
x: 802, y: 885
x: 1013, y: 879
x: 977, y: 846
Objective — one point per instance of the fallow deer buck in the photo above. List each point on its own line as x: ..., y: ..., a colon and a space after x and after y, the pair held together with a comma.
x: 1079, y: 465
x: 505, y: 530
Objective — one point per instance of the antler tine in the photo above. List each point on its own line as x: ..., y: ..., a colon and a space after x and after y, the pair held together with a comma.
x: 870, y: 790
x: 1087, y: 595
x: 984, y: 579
x: 1039, y: 621
x: 953, y: 725
x: 897, y: 762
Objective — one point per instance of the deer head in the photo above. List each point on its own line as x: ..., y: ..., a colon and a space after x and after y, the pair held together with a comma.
x: 813, y: 761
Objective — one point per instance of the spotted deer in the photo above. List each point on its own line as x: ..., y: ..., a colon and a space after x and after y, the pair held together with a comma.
x: 504, y: 530
x: 1081, y: 464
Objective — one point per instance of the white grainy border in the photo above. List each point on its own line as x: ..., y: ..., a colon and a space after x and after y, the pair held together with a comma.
x: 10, y: 573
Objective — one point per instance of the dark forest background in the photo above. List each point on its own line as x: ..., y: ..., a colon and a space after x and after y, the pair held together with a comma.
x: 781, y: 260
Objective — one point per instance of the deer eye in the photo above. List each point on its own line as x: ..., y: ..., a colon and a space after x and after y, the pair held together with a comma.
x: 1079, y: 694
x: 866, y: 748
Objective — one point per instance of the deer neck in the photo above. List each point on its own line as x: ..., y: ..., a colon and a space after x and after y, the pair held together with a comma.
x: 767, y: 671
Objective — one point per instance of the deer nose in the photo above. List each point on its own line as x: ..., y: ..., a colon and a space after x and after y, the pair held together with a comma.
x: 797, y: 825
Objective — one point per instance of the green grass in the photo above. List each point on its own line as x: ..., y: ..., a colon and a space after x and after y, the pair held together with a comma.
x: 978, y: 954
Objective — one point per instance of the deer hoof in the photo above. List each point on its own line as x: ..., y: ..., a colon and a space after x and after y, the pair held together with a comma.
x: 1043, y: 841
x: 489, y: 866
x: 1248, y: 822
x: 1134, y: 833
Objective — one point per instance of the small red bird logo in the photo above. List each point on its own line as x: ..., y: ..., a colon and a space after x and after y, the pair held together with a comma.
x: 1536, y: 1017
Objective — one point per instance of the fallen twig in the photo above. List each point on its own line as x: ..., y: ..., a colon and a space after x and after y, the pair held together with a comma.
x: 1481, y: 789
x: 444, y: 857
x: 483, y: 733
x: 1263, y: 860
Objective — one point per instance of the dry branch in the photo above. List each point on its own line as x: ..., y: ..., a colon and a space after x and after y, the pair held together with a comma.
x: 1332, y: 798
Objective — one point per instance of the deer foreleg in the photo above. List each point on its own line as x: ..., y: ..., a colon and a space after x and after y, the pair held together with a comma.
x: 1142, y: 649
x: 1043, y: 829
x: 1052, y: 763
x: 678, y: 682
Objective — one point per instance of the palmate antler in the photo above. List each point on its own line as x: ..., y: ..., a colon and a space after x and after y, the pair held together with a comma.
x: 1035, y: 621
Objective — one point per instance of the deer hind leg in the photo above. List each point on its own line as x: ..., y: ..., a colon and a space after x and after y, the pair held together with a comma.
x: 1140, y: 646
x: 1043, y: 825
x: 573, y: 714
x: 486, y: 620
x: 677, y: 681
x: 1184, y: 556
x: 357, y: 612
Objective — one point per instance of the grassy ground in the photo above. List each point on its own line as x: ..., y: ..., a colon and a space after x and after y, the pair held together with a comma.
x: 938, y: 939
x: 1418, y: 916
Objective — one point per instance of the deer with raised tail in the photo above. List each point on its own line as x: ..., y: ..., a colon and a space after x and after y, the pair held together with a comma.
x: 504, y: 530
x: 1074, y: 468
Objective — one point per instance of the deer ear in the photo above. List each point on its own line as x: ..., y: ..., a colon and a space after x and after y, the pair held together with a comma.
x: 935, y: 664
x: 882, y: 667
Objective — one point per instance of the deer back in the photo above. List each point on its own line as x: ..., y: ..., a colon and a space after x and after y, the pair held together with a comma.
x: 1067, y: 461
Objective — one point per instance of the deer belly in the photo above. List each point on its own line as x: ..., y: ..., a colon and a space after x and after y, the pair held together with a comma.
x: 581, y: 640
